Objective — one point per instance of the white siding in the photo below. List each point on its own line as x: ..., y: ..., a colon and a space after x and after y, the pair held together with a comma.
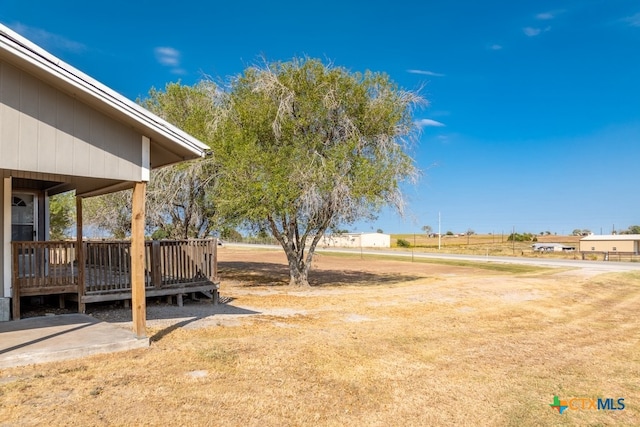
x: 9, y: 117
x: 45, y: 130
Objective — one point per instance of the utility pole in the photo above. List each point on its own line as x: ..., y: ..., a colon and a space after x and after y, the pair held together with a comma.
x: 439, y: 232
x: 413, y: 247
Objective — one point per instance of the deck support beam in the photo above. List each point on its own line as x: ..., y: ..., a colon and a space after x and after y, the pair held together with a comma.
x: 138, y: 297
x: 80, y: 255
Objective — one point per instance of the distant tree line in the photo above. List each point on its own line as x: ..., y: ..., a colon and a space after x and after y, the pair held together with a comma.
x: 634, y: 229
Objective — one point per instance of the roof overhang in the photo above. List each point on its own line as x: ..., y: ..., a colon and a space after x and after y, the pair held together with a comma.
x: 610, y: 237
x: 168, y: 143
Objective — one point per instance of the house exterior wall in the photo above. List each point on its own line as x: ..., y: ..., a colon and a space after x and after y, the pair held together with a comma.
x: 45, y: 130
x: 41, y: 216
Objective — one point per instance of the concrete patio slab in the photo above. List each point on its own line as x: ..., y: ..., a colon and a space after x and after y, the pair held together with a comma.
x: 62, y: 337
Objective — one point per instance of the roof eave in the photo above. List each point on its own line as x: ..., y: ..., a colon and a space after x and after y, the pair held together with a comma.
x: 89, y: 90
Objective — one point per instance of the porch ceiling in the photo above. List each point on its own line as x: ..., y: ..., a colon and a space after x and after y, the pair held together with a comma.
x: 84, y: 187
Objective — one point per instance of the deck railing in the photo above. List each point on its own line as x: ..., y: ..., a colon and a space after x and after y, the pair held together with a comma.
x: 44, y: 265
x: 180, y: 261
x: 167, y: 262
x: 51, y: 267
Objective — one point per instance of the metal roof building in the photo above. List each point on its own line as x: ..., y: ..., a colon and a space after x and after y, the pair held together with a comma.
x: 628, y: 243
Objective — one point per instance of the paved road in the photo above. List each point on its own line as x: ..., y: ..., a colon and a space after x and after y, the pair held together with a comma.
x: 604, y: 266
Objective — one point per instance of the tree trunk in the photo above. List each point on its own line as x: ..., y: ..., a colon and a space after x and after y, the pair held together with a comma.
x: 299, y: 278
x: 298, y: 269
x: 299, y: 257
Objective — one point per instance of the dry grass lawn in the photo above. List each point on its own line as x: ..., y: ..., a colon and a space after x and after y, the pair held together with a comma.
x: 374, y: 343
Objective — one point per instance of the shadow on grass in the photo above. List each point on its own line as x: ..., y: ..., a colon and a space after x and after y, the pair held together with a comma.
x: 194, y: 313
x: 274, y: 274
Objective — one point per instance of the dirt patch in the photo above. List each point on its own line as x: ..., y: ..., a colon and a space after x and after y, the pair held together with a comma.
x: 270, y: 268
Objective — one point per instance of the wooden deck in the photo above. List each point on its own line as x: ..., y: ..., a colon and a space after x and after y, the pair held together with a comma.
x: 172, y: 267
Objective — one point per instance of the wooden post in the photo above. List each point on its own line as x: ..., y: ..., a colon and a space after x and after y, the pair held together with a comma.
x: 214, y: 270
x: 156, y: 264
x: 138, y: 298
x: 213, y: 254
x: 16, y: 282
x: 80, y: 256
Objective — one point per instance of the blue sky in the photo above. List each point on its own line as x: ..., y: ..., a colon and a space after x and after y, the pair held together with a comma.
x: 534, y: 114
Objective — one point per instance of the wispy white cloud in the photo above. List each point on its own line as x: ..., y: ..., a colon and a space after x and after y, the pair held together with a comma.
x: 47, y: 40
x: 552, y: 14
x: 495, y: 46
x: 633, y: 20
x: 425, y: 73
x: 533, y: 31
x: 169, y: 57
x: 545, y: 16
x: 422, y: 123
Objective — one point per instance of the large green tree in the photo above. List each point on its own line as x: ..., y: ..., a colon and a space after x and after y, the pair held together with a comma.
x: 178, y: 199
x: 304, y: 147
x: 178, y: 203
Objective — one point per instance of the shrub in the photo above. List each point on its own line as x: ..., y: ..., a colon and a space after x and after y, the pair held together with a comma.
x: 525, y: 237
x: 401, y: 243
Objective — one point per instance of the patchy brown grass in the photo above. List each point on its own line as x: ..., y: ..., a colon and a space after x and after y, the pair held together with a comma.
x: 373, y: 343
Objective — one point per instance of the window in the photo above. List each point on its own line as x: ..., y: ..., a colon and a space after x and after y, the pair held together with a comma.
x: 614, y: 249
x: 17, y: 201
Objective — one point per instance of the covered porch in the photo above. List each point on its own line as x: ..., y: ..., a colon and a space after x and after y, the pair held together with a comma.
x: 61, y: 130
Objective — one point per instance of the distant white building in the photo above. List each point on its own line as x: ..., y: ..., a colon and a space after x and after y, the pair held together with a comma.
x: 552, y: 247
x: 356, y: 240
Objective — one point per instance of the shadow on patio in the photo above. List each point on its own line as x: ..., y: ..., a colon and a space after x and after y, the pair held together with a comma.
x: 71, y: 336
